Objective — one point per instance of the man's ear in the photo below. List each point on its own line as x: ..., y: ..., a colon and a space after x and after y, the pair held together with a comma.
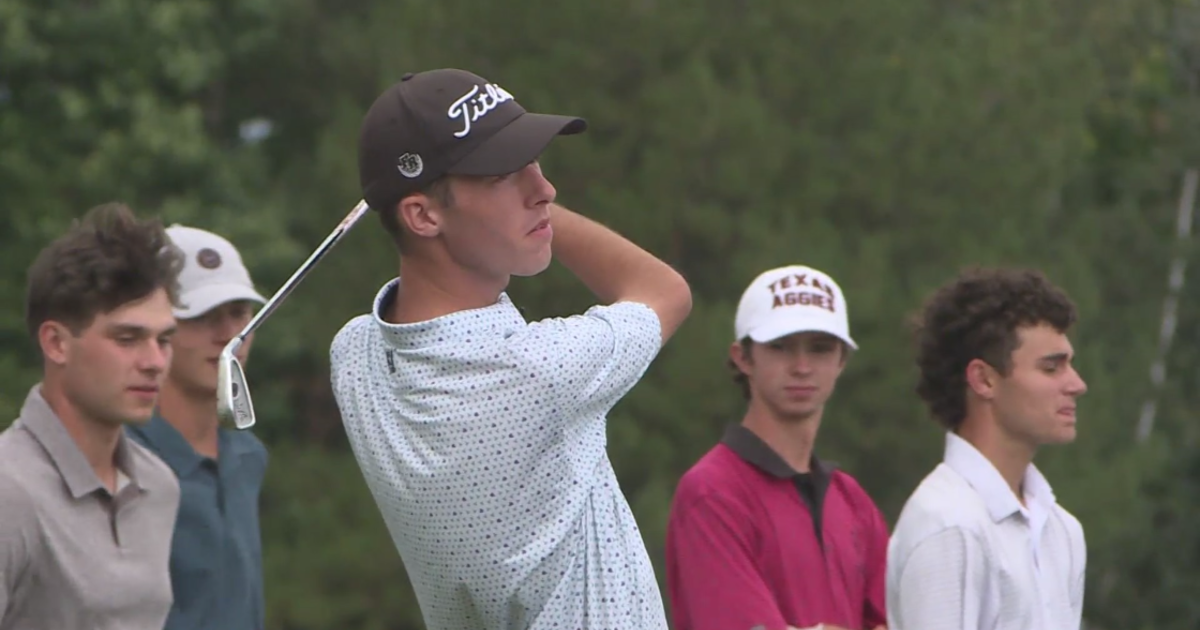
x: 982, y: 378
x: 739, y: 356
x: 846, y: 352
x: 421, y: 215
x: 54, y: 339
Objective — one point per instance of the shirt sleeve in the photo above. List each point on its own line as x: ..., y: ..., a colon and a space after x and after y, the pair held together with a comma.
x: 875, y: 608
x: 597, y: 357
x: 711, y: 575
x: 941, y: 584
x: 16, y: 531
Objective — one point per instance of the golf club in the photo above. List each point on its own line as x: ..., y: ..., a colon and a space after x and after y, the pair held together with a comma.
x: 234, y: 406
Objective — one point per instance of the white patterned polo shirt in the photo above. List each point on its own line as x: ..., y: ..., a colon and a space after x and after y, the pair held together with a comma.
x: 482, y: 439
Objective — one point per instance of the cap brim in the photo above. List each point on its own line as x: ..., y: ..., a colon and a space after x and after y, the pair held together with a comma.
x: 517, y: 144
x: 774, y: 330
x: 203, y: 299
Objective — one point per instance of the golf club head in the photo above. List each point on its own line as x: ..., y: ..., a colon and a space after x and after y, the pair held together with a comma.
x: 233, y: 395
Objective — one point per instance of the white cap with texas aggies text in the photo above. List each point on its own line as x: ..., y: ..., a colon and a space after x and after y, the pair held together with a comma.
x: 789, y: 300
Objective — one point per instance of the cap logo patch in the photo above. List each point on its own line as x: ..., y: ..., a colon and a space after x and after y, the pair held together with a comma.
x: 472, y: 106
x: 208, y: 258
x: 410, y: 165
x: 798, y: 290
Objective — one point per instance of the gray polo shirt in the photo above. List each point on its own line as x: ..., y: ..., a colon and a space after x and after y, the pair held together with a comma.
x: 72, y: 555
x: 216, y: 554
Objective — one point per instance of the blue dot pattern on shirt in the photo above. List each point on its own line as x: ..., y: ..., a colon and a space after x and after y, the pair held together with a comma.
x: 482, y: 440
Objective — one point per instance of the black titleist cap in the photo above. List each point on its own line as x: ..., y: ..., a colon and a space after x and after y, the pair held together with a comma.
x: 447, y: 122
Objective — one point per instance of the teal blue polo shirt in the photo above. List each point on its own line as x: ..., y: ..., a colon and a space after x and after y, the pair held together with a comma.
x: 216, y: 550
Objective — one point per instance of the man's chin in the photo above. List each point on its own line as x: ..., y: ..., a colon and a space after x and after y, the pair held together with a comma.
x: 798, y: 414
x: 1065, y: 435
x: 1059, y: 434
x: 193, y: 387
x: 535, y: 265
x: 130, y: 417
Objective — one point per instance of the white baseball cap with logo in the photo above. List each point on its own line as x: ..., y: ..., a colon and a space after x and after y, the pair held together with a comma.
x: 789, y: 300
x: 213, y: 272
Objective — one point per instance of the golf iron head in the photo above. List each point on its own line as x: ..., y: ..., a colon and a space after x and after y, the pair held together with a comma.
x: 234, y: 407
x: 233, y: 396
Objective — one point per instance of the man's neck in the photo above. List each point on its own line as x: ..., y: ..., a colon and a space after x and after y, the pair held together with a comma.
x: 430, y: 289
x: 96, y: 439
x: 1010, y: 457
x: 194, y: 416
x: 793, y: 440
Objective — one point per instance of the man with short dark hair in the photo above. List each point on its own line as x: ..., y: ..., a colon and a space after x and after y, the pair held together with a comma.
x: 762, y: 533
x: 85, y: 529
x: 482, y: 435
x: 216, y: 552
x: 982, y: 542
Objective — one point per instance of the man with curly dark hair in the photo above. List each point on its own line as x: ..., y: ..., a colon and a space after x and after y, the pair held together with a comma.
x: 982, y: 542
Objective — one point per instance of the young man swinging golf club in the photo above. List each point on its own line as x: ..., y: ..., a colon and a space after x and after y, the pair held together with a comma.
x: 482, y: 435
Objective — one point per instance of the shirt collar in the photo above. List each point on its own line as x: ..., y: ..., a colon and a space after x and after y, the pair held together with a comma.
x: 754, y: 451
x: 174, y: 449
x: 169, y: 444
x: 503, y: 316
x: 46, y: 427
x: 1037, y: 488
x: 966, y: 460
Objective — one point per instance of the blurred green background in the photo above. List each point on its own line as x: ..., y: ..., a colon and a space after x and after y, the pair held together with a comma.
x: 889, y: 144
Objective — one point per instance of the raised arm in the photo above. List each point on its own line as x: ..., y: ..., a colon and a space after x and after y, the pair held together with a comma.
x: 616, y: 270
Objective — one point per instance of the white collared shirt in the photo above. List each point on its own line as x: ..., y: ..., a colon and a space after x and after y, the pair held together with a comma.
x: 966, y: 555
x: 482, y: 439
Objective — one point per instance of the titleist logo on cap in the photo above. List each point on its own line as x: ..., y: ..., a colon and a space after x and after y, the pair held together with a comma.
x: 473, y: 105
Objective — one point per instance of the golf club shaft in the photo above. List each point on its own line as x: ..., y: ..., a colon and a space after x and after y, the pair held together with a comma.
x: 280, y: 295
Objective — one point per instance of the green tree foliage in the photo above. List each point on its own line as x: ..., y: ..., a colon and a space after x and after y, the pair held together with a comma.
x: 889, y: 144
x: 120, y: 101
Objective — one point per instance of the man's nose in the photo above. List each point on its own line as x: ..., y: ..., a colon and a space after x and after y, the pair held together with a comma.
x: 541, y: 191
x: 156, y: 357
x: 227, y: 327
x: 1077, y: 386
x: 801, y: 362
